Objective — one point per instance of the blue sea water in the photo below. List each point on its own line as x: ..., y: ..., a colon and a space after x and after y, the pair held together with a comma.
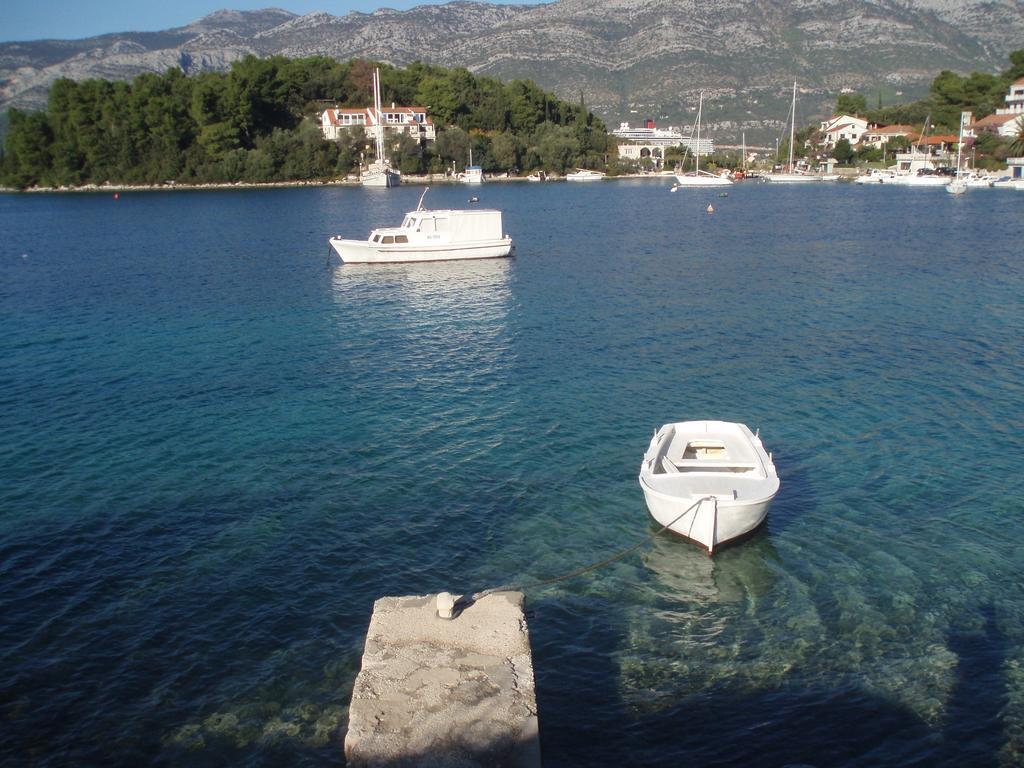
x: 218, y: 447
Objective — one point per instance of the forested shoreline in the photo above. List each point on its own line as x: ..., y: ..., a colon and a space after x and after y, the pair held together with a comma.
x: 259, y: 123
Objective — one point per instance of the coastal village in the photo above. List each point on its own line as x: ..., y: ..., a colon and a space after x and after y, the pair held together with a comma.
x: 910, y: 149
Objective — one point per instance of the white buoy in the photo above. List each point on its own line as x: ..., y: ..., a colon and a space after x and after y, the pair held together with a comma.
x: 711, y: 208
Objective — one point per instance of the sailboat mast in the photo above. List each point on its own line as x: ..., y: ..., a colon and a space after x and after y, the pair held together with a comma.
x: 696, y: 147
x: 379, y: 132
x: 792, y: 127
x: 744, y: 151
x: 959, y: 145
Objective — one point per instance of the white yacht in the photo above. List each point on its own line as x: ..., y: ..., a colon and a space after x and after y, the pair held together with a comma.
x: 427, y: 235
x: 697, y: 177
x: 876, y: 176
x: 473, y: 174
x: 582, y: 174
x: 921, y: 178
x: 708, y: 481
x: 379, y: 173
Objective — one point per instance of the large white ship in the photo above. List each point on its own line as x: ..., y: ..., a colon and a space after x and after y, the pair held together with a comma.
x: 664, y: 137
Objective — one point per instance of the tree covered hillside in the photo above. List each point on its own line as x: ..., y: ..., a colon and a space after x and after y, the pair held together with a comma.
x: 260, y: 122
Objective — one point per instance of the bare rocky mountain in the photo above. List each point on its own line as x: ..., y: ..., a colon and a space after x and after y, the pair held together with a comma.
x: 626, y: 58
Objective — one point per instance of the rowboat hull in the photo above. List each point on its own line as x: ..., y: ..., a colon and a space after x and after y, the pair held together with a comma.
x: 708, y: 481
x: 712, y: 521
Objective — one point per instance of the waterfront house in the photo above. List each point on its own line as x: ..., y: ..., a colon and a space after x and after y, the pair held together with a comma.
x: 413, y: 121
x: 1005, y: 125
x: 879, y: 136
x: 839, y: 127
x: 1014, y: 99
x: 1007, y: 121
x: 1016, y: 167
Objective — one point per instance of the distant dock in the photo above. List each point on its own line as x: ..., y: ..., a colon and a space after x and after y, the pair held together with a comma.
x: 436, y: 691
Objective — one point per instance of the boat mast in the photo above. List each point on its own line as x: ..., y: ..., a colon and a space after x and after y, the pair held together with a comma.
x: 744, y: 151
x: 696, y: 147
x: 792, y: 127
x: 379, y: 132
x: 959, y: 145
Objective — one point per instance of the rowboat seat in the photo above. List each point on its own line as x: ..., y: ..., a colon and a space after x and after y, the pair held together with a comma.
x: 714, y: 464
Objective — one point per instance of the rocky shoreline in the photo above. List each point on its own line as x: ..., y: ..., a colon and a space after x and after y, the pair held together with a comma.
x: 410, y: 179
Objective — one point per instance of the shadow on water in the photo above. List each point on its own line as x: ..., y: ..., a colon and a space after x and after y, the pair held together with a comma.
x: 974, y: 734
x: 585, y: 719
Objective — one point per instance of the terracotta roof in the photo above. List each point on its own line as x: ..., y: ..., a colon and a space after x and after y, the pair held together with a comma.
x: 893, y: 130
x: 993, y: 120
x: 1018, y: 81
x: 940, y: 139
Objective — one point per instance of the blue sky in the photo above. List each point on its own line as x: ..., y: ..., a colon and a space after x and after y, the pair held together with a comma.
x: 69, y: 19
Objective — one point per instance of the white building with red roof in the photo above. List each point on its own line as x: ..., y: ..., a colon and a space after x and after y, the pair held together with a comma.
x: 1002, y: 125
x: 1009, y: 120
x: 878, y: 136
x: 841, y: 127
x: 413, y: 121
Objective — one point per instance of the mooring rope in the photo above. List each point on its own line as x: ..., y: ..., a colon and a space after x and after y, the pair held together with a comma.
x: 587, y: 568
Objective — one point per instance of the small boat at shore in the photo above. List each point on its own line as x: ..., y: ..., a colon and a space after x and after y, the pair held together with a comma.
x: 427, y: 235
x: 876, y: 176
x: 583, y: 174
x: 708, y: 481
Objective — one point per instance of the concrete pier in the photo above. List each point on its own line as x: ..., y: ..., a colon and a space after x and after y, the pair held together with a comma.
x: 445, y: 692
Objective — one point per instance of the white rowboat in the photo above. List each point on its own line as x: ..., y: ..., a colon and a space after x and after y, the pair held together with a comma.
x: 708, y: 481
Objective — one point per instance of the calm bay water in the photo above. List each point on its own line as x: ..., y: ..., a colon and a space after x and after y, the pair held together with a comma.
x: 218, y: 448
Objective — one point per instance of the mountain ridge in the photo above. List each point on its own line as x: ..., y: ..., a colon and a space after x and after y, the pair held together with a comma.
x: 647, y: 58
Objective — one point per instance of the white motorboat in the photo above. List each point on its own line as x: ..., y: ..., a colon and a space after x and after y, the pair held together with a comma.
x: 708, y: 481
x: 538, y: 176
x: 976, y: 180
x: 876, y: 176
x: 697, y: 177
x: 427, y: 235
x: 921, y: 179
x: 1009, y: 182
x: 582, y: 174
x: 473, y: 174
x: 379, y: 173
x: 798, y: 178
x: 792, y: 175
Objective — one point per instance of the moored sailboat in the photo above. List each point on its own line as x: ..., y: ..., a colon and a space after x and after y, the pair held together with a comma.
x: 697, y: 177
x: 791, y: 175
x: 379, y: 173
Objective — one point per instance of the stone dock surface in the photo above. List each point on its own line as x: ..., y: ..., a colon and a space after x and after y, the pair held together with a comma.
x: 445, y: 692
